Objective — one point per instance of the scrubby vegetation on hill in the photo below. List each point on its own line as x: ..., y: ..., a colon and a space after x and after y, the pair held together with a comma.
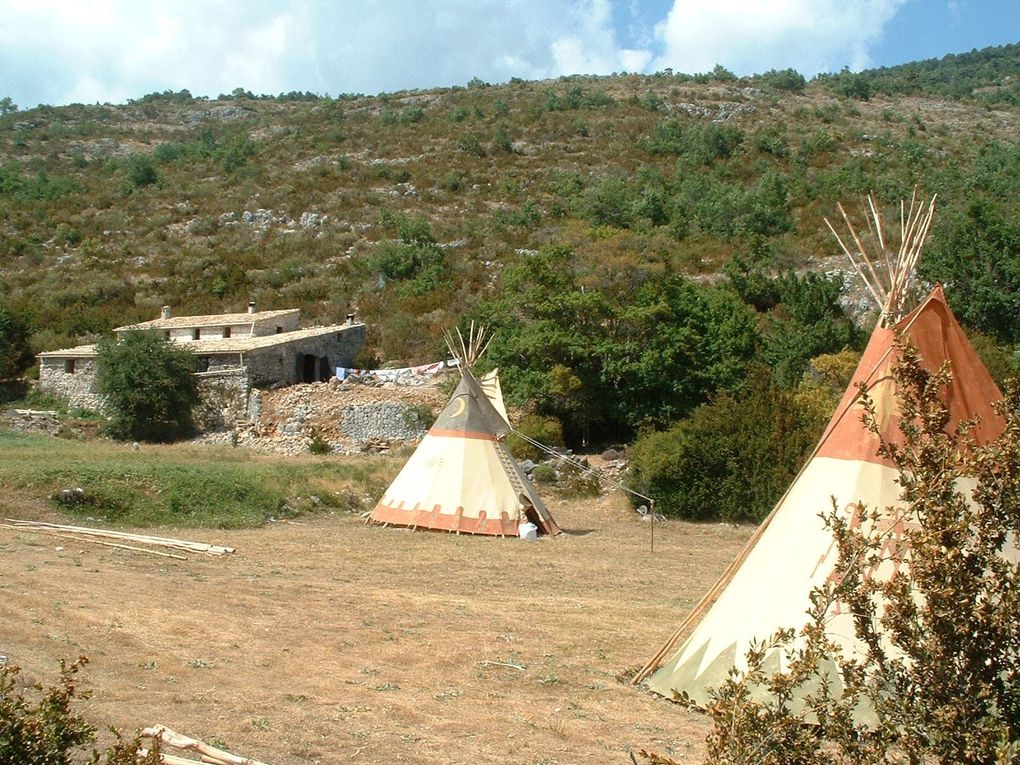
x: 639, y: 241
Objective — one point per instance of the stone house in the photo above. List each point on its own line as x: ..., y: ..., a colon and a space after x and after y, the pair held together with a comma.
x: 235, y: 352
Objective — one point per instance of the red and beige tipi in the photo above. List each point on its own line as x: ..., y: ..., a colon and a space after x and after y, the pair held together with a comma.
x: 768, y: 586
x: 462, y: 478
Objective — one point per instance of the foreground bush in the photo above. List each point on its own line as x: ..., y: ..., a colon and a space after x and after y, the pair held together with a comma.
x: 45, y: 730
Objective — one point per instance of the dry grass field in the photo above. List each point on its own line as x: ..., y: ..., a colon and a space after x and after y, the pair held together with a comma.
x: 328, y: 640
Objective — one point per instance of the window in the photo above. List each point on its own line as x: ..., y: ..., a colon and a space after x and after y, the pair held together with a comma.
x: 196, y: 333
x: 69, y: 366
x: 279, y: 330
x: 202, y: 364
x: 226, y: 331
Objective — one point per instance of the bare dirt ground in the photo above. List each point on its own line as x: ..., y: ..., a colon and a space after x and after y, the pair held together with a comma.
x: 334, y: 641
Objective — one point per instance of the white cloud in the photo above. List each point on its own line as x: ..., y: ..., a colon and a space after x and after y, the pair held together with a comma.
x: 57, y: 51
x: 749, y: 36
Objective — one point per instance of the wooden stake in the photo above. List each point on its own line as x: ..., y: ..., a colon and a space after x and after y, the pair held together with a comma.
x: 651, y: 512
x: 889, y: 270
x: 878, y: 286
x: 169, y: 759
x: 95, y: 541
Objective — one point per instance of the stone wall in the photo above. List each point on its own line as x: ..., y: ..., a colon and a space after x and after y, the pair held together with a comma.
x: 388, y: 420
x: 282, y: 362
x: 283, y: 323
x: 219, y: 362
x: 77, y: 386
x: 223, y: 398
x: 350, y: 417
x: 256, y: 328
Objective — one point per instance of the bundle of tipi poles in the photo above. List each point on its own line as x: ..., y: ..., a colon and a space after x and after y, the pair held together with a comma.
x: 888, y: 276
x: 467, y: 352
x: 86, y: 534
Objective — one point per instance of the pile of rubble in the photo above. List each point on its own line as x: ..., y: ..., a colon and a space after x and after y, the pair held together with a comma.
x: 346, y: 416
x: 603, y: 471
x: 32, y: 421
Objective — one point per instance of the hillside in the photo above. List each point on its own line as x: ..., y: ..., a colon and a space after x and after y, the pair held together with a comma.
x: 415, y: 209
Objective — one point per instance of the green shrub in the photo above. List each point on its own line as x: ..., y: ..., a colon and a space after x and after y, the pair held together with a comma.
x: 40, y: 399
x: 419, y: 416
x: 576, y: 482
x: 700, y: 143
x: 319, y: 445
x: 544, y: 474
x: 784, y: 80
x: 545, y: 430
x: 731, y: 459
x: 141, y: 171
x: 410, y: 115
x: 469, y: 144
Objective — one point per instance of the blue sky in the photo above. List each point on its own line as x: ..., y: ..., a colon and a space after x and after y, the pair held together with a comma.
x: 66, y: 51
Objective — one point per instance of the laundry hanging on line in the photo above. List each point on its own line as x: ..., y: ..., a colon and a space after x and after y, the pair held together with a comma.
x: 397, y: 375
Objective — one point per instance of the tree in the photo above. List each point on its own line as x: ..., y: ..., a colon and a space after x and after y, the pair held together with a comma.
x: 148, y: 386
x: 802, y: 315
x: 14, y: 351
x: 606, y: 369
x: 979, y: 254
x: 730, y: 459
x: 808, y: 321
x: 939, y: 670
x: 7, y: 106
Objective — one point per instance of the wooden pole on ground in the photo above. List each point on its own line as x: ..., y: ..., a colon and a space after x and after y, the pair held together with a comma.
x: 209, y: 753
x: 123, y: 535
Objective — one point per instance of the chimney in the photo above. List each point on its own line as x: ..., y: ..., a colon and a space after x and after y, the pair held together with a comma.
x: 251, y: 306
x: 350, y: 320
x: 164, y: 312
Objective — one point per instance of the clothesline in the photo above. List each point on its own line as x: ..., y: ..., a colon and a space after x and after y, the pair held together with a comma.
x: 395, y: 375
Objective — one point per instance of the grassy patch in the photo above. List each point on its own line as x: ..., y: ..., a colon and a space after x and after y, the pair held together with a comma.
x: 180, y: 486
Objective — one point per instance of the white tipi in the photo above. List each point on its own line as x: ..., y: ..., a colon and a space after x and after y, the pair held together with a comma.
x: 462, y: 478
x: 768, y: 587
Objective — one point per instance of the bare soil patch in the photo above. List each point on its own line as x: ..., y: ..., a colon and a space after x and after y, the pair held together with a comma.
x: 334, y: 641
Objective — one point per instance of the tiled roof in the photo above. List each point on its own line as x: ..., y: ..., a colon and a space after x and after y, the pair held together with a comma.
x: 226, y: 345
x: 212, y: 320
x: 79, y: 351
x: 243, y: 344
